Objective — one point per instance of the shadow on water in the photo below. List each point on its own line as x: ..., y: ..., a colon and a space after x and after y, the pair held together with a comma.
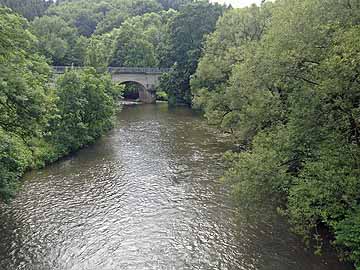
x: 145, y: 196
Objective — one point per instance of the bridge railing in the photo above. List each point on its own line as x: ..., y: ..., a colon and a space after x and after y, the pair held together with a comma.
x: 137, y: 70
x: 62, y: 69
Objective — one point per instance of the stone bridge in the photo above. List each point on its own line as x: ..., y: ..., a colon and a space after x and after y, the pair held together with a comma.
x: 147, y: 78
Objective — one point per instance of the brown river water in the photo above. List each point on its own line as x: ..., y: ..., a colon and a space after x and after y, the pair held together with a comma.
x: 145, y: 196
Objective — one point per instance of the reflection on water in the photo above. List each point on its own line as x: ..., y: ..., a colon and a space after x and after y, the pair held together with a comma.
x: 146, y: 196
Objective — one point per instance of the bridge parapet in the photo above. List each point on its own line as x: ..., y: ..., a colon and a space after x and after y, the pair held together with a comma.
x: 117, y: 70
x: 138, y: 70
x: 62, y: 69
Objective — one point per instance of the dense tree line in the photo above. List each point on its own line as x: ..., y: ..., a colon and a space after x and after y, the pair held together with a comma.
x: 40, y: 123
x: 283, y: 79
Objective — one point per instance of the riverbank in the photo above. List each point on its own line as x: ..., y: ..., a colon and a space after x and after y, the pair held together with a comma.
x: 79, y: 110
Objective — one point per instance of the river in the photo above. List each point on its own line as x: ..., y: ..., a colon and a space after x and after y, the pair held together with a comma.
x: 145, y: 196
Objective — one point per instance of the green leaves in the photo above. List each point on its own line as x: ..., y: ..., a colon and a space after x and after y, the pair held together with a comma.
x: 290, y: 95
x: 225, y: 47
x: 348, y: 235
x: 90, y: 16
x: 97, y: 52
x: 14, y: 159
x: 24, y: 98
x: 86, y: 109
x: 187, y: 32
x: 226, y: 84
x: 29, y: 9
x: 39, y: 125
x: 57, y: 40
x: 138, y: 41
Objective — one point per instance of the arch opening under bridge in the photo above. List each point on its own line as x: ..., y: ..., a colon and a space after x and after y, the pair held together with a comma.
x: 135, y: 91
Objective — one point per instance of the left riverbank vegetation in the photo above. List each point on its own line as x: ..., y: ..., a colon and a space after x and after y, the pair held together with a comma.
x: 281, y: 78
x: 40, y: 120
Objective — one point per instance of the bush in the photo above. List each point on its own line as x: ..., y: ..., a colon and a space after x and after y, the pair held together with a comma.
x: 15, y: 157
x: 83, y: 109
x: 348, y: 235
x: 161, y: 95
x: 86, y: 110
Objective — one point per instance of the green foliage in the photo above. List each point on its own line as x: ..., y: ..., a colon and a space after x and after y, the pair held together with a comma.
x: 133, y: 52
x: 141, y: 7
x: 348, y: 235
x: 285, y: 84
x: 97, y: 52
x: 122, y: 10
x: 282, y: 78
x: 82, y: 15
x: 28, y: 8
x: 113, y: 19
x: 187, y: 31
x: 225, y: 47
x: 14, y: 159
x: 161, y: 96
x: 175, y: 84
x: 260, y: 176
x: 139, y: 40
x: 24, y: 98
x: 39, y: 125
x: 227, y: 85
x: 85, y: 110
x: 90, y: 16
x: 58, y: 41
x: 173, y: 4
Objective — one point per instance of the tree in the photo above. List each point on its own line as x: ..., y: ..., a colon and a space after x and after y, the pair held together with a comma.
x: 25, y: 100
x: 23, y: 78
x: 28, y: 8
x: 90, y: 15
x: 225, y: 47
x: 57, y: 40
x: 99, y: 50
x: 113, y: 19
x: 139, y: 39
x: 223, y: 84
x: 86, y: 110
x: 187, y: 31
x: 173, y: 4
x: 83, y: 15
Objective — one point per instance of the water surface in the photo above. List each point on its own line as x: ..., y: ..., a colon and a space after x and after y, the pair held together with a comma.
x: 145, y: 196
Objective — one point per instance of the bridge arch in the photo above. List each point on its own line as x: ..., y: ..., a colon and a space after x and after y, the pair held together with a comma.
x: 136, y: 90
x: 148, y: 82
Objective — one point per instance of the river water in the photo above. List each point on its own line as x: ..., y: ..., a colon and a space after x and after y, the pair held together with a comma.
x: 145, y: 196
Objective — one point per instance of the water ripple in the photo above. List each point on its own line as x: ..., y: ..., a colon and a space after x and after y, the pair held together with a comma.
x: 146, y: 196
